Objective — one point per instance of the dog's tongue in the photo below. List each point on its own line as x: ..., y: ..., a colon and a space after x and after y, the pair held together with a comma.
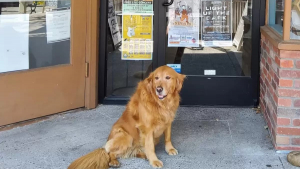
x: 160, y: 96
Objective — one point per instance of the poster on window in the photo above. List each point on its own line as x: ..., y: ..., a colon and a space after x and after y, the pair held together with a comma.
x: 14, y: 42
x: 183, y: 27
x: 113, y: 23
x: 58, y: 26
x: 216, y: 23
x: 137, y: 7
x: 137, y: 37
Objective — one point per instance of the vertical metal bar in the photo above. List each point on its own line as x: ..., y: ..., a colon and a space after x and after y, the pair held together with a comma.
x: 156, y: 19
x: 112, y: 73
x: 258, y: 11
x: 255, y: 52
x: 102, y: 50
x: 162, y: 33
x: 127, y: 73
x: 1, y: 7
x: 142, y: 69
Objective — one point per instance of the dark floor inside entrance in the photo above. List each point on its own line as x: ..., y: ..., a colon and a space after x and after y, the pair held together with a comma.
x: 226, y: 62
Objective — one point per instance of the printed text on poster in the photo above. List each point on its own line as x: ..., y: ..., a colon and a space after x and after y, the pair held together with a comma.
x: 183, y: 28
x: 216, y: 23
x: 137, y: 38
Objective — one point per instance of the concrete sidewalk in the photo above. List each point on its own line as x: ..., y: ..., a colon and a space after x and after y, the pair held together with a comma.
x: 206, y: 138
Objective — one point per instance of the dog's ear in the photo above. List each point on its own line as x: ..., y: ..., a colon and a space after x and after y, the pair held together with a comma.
x: 179, y: 81
x: 148, y: 81
x: 149, y: 78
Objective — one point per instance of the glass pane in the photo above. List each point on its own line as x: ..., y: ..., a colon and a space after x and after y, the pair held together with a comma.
x: 276, y: 8
x: 129, y: 45
x: 295, y: 20
x: 210, y: 37
x: 34, y: 34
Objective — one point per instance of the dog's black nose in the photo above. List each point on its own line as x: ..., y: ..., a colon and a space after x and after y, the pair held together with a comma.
x: 159, y: 89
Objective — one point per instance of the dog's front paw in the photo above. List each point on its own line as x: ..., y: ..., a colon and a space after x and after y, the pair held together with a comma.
x: 172, y: 152
x: 157, y: 164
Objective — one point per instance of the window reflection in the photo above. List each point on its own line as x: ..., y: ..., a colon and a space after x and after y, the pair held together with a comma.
x: 225, y: 43
x: 34, y: 34
x: 276, y: 10
x: 295, y: 20
x: 124, y: 75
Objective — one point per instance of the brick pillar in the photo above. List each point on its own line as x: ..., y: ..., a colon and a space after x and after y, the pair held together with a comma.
x: 280, y: 94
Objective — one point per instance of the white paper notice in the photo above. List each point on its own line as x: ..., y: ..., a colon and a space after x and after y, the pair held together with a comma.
x: 14, y: 42
x: 114, y: 30
x: 113, y: 23
x: 209, y: 72
x: 58, y: 25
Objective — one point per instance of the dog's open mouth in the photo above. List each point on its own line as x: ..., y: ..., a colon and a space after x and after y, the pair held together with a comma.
x: 161, y: 96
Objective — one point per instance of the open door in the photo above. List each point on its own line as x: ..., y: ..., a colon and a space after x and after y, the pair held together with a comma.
x: 42, y: 58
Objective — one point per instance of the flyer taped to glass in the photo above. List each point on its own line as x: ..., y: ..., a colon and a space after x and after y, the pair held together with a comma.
x: 183, y: 27
x: 138, y: 7
x: 216, y: 23
x: 137, y: 37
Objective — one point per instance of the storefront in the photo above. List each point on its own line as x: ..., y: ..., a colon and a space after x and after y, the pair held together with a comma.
x: 59, y: 55
x: 61, y: 47
x: 214, y: 43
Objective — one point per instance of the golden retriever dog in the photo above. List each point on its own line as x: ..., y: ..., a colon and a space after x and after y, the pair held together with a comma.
x: 149, y: 114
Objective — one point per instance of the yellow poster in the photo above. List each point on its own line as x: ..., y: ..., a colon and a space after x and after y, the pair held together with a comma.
x: 40, y: 2
x: 137, y: 39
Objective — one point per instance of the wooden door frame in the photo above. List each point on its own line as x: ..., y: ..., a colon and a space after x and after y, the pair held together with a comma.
x: 88, y: 52
x: 92, y: 53
x: 26, y: 94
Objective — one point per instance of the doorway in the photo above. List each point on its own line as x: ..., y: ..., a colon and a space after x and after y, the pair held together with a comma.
x: 215, y: 43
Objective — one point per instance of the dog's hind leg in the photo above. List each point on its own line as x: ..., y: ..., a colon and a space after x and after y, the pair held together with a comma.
x: 113, y: 160
x: 119, y: 143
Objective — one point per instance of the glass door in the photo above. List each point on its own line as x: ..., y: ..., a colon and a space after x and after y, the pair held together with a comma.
x: 129, y: 46
x: 216, y: 44
x: 42, y: 58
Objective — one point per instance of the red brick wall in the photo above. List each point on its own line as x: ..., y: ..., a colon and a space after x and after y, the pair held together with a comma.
x: 280, y: 94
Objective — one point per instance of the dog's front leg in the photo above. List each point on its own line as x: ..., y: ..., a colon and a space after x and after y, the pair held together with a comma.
x: 168, y: 144
x: 150, y: 151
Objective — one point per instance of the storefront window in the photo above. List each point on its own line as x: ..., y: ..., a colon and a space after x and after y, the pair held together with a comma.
x: 275, y: 17
x: 295, y: 20
x: 34, y: 34
x: 276, y: 10
x: 223, y: 38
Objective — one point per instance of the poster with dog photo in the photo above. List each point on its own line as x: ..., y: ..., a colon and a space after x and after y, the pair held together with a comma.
x: 183, y: 27
x: 137, y: 37
x: 216, y: 23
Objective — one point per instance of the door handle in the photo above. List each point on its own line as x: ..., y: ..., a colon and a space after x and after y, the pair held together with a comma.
x: 168, y: 3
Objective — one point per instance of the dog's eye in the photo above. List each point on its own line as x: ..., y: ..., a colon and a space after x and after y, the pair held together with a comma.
x: 156, y: 78
x: 168, y: 77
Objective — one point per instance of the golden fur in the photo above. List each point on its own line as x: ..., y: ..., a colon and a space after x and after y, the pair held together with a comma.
x: 148, y: 115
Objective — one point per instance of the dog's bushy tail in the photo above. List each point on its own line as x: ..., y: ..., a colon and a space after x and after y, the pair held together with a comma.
x: 97, y: 159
